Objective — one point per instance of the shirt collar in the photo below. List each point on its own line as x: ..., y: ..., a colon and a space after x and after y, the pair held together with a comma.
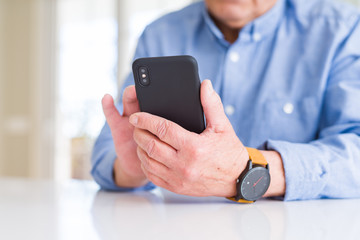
x: 255, y: 30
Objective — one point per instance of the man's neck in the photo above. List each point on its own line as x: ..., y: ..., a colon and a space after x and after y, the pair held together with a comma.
x: 230, y: 34
x: 231, y: 30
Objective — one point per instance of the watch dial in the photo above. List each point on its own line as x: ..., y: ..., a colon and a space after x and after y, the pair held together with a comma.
x: 255, y: 183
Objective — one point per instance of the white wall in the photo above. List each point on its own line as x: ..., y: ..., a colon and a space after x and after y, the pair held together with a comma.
x: 26, y: 92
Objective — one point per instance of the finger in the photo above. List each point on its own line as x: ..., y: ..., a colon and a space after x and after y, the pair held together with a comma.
x: 167, y: 131
x: 155, y: 179
x: 153, y: 166
x: 130, y: 102
x: 112, y: 115
x: 155, y: 148
x: 216, y: 119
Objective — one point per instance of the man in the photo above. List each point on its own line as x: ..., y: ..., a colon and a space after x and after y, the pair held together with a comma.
x: 288, y: 76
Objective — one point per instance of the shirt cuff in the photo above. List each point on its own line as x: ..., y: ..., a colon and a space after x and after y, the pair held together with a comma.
x: 305, y: 173
x: 103, y: 175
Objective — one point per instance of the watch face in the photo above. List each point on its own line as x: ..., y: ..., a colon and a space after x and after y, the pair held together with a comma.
x: 255, y: 183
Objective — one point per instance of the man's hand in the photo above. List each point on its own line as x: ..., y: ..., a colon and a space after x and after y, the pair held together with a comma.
x: 188, y: 163
x: 127, y: 170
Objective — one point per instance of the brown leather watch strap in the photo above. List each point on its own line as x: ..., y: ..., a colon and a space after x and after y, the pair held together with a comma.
x: 257, y: 158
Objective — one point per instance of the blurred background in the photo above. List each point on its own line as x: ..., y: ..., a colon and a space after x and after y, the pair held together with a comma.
x: 57, y: 59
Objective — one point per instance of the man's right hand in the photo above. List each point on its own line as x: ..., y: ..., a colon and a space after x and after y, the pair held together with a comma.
x: 127, y: 166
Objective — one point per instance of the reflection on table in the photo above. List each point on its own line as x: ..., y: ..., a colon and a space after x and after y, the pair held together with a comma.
x: 79, y: 210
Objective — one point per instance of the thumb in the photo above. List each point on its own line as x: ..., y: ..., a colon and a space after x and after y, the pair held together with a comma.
x: 111, y: 113
x: 216, y: 119
x: 130, y: 102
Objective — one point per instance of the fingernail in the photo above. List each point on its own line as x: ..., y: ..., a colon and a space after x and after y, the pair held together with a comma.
x: 133, y: 119
x: 107, y: 96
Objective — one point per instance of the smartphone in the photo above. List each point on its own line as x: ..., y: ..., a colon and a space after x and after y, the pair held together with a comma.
x: 169, y: 87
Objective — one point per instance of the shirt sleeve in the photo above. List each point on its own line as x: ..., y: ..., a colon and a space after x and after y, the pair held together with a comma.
x: 104, y: 155
x: 329, y: 167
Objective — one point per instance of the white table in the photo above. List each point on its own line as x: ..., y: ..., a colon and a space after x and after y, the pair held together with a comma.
x: 78, y: 210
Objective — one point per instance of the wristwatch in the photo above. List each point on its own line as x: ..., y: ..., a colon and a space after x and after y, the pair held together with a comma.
x: 254, y: 181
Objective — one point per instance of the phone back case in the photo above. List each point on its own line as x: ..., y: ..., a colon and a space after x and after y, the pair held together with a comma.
x: 173, y: 91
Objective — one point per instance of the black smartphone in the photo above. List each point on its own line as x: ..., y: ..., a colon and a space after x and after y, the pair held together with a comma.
x: 169, y: 87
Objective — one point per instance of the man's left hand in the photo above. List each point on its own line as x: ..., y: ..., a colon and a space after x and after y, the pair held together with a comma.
x: 184, y: 162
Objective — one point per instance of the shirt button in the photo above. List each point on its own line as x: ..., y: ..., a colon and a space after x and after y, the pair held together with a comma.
x: 288, y: 108
x: 234, y: 57
x: 256, y: 37
x: 229, y: 110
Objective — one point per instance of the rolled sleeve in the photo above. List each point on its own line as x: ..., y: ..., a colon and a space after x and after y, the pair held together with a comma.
x: 305, y: 175
x: 103, y: 171
x: 325, y: 168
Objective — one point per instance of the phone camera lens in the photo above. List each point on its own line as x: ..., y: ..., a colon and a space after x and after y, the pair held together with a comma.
x: 144, y: 76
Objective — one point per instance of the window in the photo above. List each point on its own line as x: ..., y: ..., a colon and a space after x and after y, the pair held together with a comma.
x: 96, y: 40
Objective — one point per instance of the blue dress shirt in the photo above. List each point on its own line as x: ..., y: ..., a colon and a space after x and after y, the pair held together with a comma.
x: 290, y: 83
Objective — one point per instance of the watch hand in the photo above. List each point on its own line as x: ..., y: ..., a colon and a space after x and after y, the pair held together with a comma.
x: 257, y: 181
